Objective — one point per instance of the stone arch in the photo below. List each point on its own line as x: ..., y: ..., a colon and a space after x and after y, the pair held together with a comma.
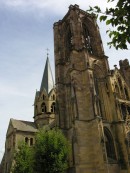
x: 87, y: 39
x: 109, y: 144
x: 94, y: 36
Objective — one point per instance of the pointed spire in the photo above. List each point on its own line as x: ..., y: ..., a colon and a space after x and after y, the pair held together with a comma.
x: 47, y: 83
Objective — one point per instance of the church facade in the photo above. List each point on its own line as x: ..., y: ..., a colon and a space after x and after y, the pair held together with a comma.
x: 90, y: 103
x: 93, y: 101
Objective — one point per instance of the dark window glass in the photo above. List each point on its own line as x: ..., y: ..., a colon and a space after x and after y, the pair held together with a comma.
x: 53, y: 107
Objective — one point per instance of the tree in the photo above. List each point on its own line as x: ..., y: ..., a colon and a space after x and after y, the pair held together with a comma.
x: 119, y: 18
x: 23, y: 159
x: 51, y: 152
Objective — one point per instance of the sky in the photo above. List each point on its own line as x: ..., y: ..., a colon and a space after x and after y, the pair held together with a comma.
x: 26, y: 31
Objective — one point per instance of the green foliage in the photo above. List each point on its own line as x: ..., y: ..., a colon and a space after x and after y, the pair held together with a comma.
x: 118, y: 17
x: 23, y: 159
x: 51, y: 152
x: 49, y: 155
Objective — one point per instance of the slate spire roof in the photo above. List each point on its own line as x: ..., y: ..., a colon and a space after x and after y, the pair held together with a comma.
x: 47, y: 83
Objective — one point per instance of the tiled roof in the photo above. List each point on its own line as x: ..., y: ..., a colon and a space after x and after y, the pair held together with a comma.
x: 24, y: 125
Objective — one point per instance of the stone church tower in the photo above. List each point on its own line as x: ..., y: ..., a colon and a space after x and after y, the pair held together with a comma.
x: 93, y: 107
x: 44, y: 104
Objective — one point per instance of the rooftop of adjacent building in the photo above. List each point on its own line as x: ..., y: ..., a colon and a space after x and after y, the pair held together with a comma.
x: 23, y: 125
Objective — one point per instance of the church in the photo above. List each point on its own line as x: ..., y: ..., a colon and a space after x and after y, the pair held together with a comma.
x: 44, y: 114
x: 90, y: 102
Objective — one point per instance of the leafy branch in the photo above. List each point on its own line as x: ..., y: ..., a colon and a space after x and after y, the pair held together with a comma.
x: 118, y: 17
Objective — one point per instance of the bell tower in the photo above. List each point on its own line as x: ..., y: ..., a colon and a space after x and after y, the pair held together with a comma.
x: 79, y: 62
x: 45, y: 98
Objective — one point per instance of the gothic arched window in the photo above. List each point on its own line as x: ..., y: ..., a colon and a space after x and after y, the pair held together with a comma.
x: 43, y: 97
x: 87, y: 38
x: 53, y: 107
x: 43, y: 107
x: 26, y: 140
x: 53, y: 97
x: 31, y: 141
x: 110, y: 149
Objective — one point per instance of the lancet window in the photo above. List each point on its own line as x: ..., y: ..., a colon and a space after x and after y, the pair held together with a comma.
x: 53, y: 107
x: 110, y: 149
x: 87, y: 38
x: 43, y: 107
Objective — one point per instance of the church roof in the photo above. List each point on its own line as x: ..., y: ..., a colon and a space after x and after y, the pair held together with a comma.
x: 47, y: 83
x: 23, y: 125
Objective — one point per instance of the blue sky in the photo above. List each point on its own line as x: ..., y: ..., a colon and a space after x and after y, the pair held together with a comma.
x: 26, y: 31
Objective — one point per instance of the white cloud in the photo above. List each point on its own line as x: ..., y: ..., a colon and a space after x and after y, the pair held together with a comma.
x: 57, y: 6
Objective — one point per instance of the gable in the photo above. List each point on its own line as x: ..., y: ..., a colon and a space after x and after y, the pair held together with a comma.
x: 10, y: 128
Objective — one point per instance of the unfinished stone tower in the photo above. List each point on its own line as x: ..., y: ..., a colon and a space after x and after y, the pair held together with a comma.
x: 93, y: 104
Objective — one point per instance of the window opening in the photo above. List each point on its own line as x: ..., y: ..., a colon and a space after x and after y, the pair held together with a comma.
x: 53, y: 97
x: 43, y: 107
x: 43, y: 97
x: 110, y: 149
x: 26, y: 140
x: 87, y: 39
x: 31, y: 141
x: 53, y: 107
